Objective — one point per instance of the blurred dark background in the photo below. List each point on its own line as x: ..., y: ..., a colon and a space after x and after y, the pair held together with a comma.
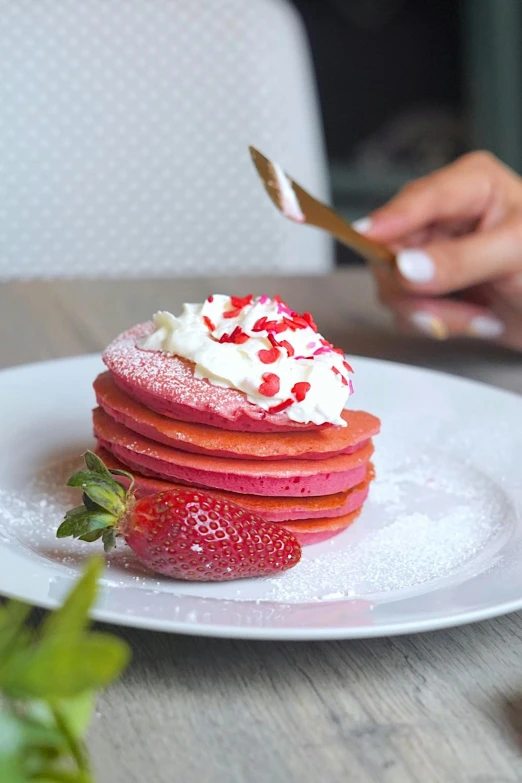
x: 406, y: 86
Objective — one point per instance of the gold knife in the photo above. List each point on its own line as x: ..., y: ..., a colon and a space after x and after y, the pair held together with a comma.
x: 298, y: 205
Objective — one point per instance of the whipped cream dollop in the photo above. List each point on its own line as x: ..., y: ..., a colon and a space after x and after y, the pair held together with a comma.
x: 262, y: 348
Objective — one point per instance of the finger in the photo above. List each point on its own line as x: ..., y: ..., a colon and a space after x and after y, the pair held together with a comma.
x: 451, y: 229
x: 509, y: 310
x: 512, y: 336
x: 481, y: 313
x: 438, y: 318
x: 436, y: 232
x: 441, y: 319
x: 509, y: 289
x: 415, y: 239
x: 461, y: 191
x: 452, y: 265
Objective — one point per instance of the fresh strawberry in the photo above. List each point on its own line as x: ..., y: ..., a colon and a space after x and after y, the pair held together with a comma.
x: 184, y: 534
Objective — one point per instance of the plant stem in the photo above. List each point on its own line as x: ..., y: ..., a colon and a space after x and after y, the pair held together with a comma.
x: 63, y: 777
x: 76, y: 747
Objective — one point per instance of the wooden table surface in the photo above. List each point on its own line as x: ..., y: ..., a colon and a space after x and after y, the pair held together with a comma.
x: 444, y: 706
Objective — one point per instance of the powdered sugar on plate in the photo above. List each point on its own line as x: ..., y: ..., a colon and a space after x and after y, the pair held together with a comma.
x: 438, y: 543
x: 428, y: 520
x: 31, y: 518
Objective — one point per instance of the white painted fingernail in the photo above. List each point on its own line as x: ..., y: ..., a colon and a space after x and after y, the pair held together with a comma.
x: 429, y: 324
x: 485, y: 326
x: 362, y: 225
x: 416, y: 266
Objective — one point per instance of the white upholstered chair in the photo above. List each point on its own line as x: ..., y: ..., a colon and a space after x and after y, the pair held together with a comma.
x: 124, y: 127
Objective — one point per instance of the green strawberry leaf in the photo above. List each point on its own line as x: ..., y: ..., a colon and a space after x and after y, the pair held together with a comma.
x: 73, y: 521
x: 81, y: 524
x: 116, y: 472
x: 72, y: 618
x: 99, y: 520
x: 94, y: 535
x: 105, y: 492
x: 89, y: 504
x: 109, y: 539
x: 77, y: 511
x: 74, y: 525
x: 95, y: 464
x: 106, y: 496
x: 81, y: 478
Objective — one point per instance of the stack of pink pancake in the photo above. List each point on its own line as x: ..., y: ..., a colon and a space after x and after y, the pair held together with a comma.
x: 156, y: 419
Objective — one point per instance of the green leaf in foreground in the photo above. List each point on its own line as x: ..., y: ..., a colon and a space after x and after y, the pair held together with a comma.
x: 74, y: 711
x: 67, y: 661
x: 11, y: 770
x: 66, y: 666
x: 48, y: 680
x: 14, y: 636
x: 73, y: 616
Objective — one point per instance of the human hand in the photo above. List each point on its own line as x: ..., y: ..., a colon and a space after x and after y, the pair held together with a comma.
x: 458, y: 237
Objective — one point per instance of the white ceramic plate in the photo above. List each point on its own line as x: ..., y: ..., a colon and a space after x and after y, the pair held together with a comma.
x: 438, y: 544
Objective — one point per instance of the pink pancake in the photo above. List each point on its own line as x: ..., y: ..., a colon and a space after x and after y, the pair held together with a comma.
x: 282, y: 478
x: 201, y: 439
x: 166, y: 384
x: 307, y: 531
x: 314, y: 532
x: 272, y: 509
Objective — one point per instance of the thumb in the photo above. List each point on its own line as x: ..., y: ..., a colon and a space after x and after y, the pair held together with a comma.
x: 454, y: 264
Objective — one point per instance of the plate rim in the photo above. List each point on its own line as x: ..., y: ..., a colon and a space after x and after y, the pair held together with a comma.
x: 298, y: 633
x: 281, y: 633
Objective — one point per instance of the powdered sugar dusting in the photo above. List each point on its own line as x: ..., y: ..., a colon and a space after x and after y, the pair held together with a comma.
x: 413, y: 550
x: 160, y: 381
x: 425, y: 521
x: 31, y: 519
x: 250, y: 345
x: 167, y: 376
x: 429, y: 520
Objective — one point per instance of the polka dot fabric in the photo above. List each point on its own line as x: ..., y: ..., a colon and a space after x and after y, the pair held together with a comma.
x: 124, y: 132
